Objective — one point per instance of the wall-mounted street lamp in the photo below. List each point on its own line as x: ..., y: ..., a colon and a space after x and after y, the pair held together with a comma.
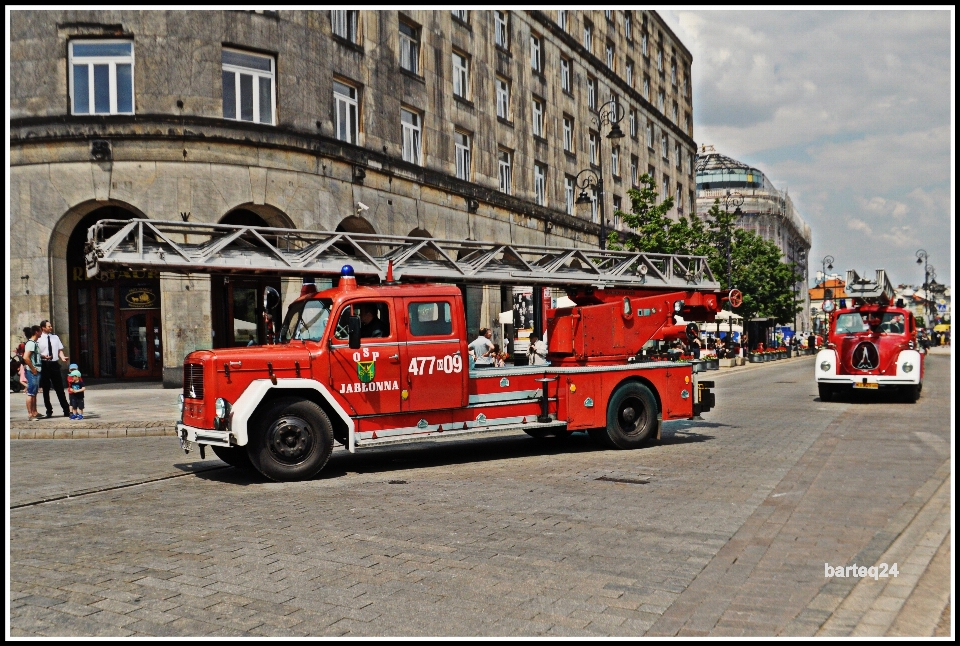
x: 610, y: 113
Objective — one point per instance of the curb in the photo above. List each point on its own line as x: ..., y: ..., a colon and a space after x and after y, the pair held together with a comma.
x: 87, y: 433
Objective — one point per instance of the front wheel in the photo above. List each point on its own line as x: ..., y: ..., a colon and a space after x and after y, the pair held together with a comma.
x: 826, y: 392
x: 911, y: 393
x: 631, y: 417
x: 291, y: 439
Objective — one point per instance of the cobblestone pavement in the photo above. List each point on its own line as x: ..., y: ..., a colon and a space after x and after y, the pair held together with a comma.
x: 723, y: 528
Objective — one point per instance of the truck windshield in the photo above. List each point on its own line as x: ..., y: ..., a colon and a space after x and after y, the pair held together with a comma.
x: 887, y: 323
x: 850, y: 323
x: 306, y: 321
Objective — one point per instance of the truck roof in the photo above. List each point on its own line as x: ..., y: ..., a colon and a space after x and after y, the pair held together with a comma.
x: 386, y: 290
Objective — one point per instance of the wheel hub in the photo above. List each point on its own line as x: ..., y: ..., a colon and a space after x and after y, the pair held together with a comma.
x: 290, y: 439
x: 631, y: 415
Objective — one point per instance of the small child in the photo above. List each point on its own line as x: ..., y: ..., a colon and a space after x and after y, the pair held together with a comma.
x: 76, y: 388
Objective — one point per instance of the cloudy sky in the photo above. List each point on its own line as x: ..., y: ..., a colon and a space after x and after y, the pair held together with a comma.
x: 850, y: 111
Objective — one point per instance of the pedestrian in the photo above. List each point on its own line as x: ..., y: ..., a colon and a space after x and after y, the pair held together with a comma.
x: 499, y: 358
x: 537, y: 351
x: 31, y: 356
x: 51, y: 349
x: 482, y: 348
x: 76, y: 388
x: 695, y: 347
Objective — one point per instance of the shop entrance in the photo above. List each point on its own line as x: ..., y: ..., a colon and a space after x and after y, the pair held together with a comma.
x: 140, y: 343
x: 115, y: 317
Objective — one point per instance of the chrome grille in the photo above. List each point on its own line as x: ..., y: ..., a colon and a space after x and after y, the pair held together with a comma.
x: 192, y: 381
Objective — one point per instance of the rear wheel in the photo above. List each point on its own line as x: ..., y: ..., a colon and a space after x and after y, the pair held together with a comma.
x: 290, y: 440
x: 235, y: 456
x: 631, y: 417
x: 826, y: 392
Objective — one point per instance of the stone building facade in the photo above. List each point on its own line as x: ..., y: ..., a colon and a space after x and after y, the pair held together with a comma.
x: 764, y: 209
x: 448, y: 124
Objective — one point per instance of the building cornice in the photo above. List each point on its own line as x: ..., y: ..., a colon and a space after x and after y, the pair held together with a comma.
x: 47, y: 130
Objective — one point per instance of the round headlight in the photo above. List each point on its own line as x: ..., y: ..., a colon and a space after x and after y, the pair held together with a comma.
x: 180, y: 403
x: 677, y: 306
x: 825, y: 366
x: 907, y: 367
x: 220, y: 407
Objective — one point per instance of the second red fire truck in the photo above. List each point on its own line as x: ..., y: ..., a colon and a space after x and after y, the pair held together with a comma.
x: 872, y: 346
x: 388, y: 362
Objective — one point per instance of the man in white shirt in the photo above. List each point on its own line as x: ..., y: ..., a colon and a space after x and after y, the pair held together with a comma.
x: 482, y: 349
x: 51, y: 349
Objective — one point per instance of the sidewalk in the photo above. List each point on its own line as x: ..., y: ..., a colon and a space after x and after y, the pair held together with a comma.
x: 121, y: 409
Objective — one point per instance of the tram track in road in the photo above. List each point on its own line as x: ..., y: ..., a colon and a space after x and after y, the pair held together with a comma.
x: 115, y: 487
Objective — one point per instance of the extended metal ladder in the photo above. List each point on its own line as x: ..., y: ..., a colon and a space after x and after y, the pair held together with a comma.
x: 869, y: 291
x: 223, y: 248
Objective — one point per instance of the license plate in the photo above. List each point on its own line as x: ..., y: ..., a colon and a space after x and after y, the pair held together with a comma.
x: 866, y: 385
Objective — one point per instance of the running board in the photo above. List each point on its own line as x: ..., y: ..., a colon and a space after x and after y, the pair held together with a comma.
x: 463, y: 433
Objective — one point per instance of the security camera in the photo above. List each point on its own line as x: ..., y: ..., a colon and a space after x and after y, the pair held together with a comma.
x: 362, y: 207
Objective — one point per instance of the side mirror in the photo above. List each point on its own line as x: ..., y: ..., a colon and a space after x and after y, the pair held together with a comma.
x: 271, y: 299
x: 353, y: 323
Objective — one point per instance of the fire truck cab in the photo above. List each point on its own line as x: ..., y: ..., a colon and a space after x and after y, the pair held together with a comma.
x: 871, y: 346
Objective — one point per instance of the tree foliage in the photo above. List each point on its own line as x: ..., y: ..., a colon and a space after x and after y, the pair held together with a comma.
x: 756, y: 265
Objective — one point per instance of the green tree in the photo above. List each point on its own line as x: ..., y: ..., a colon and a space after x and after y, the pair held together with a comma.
x: 756, y: 265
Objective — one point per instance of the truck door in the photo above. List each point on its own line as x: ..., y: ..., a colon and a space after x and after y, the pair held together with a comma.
x: 434, y: 368
x: 368, y: 378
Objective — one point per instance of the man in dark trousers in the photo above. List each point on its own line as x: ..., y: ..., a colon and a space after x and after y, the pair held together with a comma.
x: 51, y: 349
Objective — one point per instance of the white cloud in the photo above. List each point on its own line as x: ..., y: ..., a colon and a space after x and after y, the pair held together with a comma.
x: 848, y: 110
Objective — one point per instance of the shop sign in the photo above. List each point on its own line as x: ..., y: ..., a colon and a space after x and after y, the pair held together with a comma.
x: 79, y: 274
x: 139, y: 298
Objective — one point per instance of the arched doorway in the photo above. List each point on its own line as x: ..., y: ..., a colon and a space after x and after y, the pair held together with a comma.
x: 115, y: 317
x: 239, y: 318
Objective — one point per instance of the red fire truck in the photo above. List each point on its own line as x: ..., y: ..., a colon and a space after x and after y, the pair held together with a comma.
x: 388, y: 362
x: 871, y: 346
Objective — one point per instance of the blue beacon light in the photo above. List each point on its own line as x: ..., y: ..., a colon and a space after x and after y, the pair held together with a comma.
x: 346, y: 270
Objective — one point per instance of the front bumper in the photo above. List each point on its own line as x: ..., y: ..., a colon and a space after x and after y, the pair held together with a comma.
x: 191, y: 435
x: 826, y: 371
x: 868, y: 381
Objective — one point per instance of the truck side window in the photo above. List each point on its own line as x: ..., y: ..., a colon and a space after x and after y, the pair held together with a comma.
x: 430, y: 319
x: 374, y: 320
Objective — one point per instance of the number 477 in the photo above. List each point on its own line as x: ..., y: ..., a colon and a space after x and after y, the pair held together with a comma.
x: 418, y: 365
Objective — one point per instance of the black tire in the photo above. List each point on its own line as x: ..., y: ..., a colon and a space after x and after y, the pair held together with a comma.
x: 911, y: 394
x: 291, y: 439
x: 235, y: 456
x: 826, y: 392
x: 631, y: 417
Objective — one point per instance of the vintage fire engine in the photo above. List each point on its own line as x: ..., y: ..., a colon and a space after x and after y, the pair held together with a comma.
x: 871, y: 346
x: 279, y: 408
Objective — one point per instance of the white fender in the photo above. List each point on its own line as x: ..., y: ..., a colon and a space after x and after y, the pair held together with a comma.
x: 912, y: 357
x: 247, y: 403
x: 829, y: 356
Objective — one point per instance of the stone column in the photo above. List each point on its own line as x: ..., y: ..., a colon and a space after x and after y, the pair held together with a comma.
x: 187, y: 322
